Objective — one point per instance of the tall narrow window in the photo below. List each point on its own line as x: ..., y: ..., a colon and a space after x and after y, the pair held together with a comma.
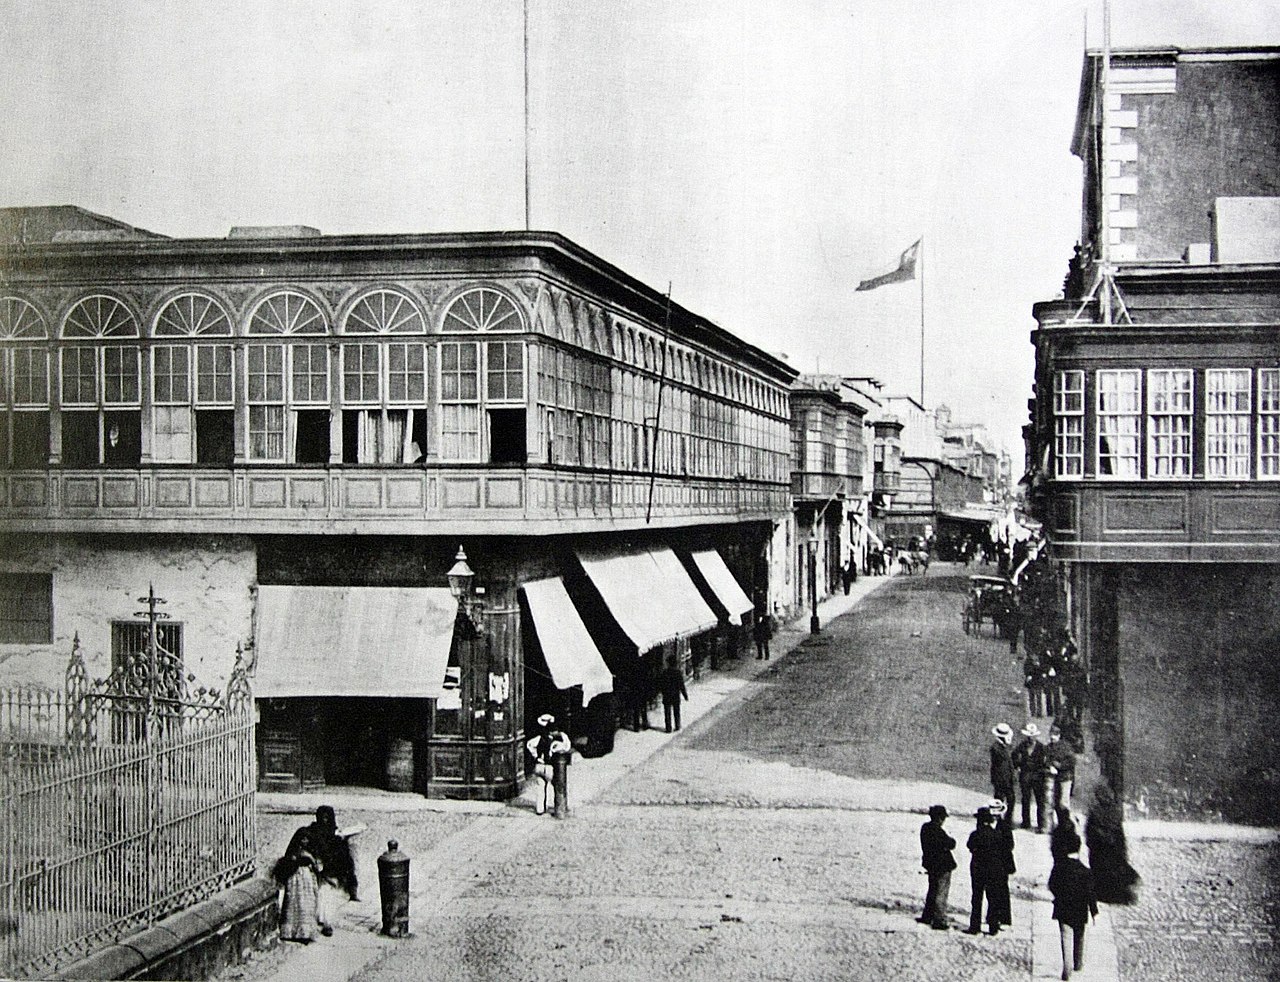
x: 101, y: 383
x: 1269, y: 422
x: 1068, y: 424
x: 24, y: 386
x: 1119, y: 416
x: 284, y: 378
x: 192, y: 387
x: 1227, y: 418
x: 1169, y: 422
x: 460, y: 400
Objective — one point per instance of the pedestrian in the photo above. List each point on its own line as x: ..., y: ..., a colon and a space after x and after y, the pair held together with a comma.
x: 1028, y: 758
x: 1002, y: 765
x: 539, y: 747
x: 317, y: 867
x: 986, y: 864
x: 998, y: 885
x: 1074, y: 903
x: 671, y: 683
x: 1034, y: 677
x: 936, y: 858
x: 848, y: 574
x: 761, y: 631
x: 1060, y: 771
x: 1114, y: 880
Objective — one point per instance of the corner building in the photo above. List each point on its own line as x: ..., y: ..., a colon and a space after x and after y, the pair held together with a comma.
x: 1155, y: 431
x: 291, y: 435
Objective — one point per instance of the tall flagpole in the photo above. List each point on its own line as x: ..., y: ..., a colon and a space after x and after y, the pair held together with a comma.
x: 527, y: 223
x: 920, y: 264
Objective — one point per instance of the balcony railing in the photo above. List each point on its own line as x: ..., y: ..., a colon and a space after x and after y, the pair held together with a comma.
x: 272, y: 498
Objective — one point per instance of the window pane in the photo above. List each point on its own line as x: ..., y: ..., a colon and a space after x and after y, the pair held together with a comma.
x: 505, y: 372
x: 30, y: 377
x: 1169, y: 422
x: 406, y: 373
x: 360, y: 373
x: 460, y: 433
x: 310, y: 373
x: 120, y: 376
x: 459, y: 372
x: 1118, y: 423
x: 266, y: 432
x: 1227, y: 423
x: 26, y: 608
x: 266, y: 373
x: 171, y: 374
x: 1269, y: 422
x: 79, y: 376
x: 213, y: 378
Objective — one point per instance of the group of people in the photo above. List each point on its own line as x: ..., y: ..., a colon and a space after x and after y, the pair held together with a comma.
x: 1029, y: 772
x: 1055, y: 679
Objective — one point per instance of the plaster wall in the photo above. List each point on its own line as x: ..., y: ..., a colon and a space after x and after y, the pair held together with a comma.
x: 207, y: 582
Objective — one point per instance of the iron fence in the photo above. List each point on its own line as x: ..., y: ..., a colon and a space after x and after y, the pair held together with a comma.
x: 121, y: 802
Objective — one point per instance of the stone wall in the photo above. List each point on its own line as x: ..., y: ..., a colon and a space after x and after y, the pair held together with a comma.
x: 1198, y: 659
x: 207, y: 582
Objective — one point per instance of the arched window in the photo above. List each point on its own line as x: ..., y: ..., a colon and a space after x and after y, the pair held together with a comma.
x: 384, y: 381
x: 101, y: 386
x: 287, y: 384
x: 24, y: 386
x: 464, y: 401
x: 192, y: 383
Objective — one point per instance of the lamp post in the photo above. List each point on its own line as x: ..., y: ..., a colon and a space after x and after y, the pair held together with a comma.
x: 814, y: 625
x: 462, y: 585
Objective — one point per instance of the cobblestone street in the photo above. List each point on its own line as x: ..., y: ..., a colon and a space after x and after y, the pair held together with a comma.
x: 776, y: 838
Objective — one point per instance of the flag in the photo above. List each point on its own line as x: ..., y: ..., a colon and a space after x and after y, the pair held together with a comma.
x: 906, y: 269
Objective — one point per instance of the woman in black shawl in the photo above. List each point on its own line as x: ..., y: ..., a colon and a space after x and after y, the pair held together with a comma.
x: 316, y: 865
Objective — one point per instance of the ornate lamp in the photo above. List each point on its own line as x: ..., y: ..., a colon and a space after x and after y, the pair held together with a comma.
x: 462, y: 580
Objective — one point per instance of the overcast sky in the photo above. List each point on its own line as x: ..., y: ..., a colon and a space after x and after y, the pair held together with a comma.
x: 761, y: 156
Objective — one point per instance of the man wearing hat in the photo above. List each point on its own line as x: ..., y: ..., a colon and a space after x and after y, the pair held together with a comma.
x: 1001, y: 914
x: 936, y: 858
x: 1002, y: 765
x: 1060, y: 771
x: 1028, y: 761
x: 986, y: 866
x: 540, y: 749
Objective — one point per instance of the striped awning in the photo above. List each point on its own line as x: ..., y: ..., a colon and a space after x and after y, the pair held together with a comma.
x: 571, y: 655
x: 723, y: 583
x: 353, y: 641
x: 649, y: 594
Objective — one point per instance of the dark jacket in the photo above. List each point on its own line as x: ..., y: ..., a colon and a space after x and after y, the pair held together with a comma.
x: 1028, y: 758
x: 988, y: 860
x: 1001, y: 767
x: 1071, y: 884
x: 671, y: 682
x: 1059, y: 755
x: 935, y: 848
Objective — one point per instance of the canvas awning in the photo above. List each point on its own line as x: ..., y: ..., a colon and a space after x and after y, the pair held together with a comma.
x: 571, y: 655
x: 649, y: 594
x: 353, y: 641
x: 722, y: 582
x: 870, y: 533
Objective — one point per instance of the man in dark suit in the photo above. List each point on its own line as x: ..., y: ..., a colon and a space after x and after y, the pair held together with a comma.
x: 671, y: 682
x: 935, y: 849
x: 1028, y: 761
x: 987, y: 864
x: 1071, y: 884
x: 1002, y: 765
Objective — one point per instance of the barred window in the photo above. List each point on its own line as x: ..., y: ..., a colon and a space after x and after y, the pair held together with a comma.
x: 1169, y: 414
x: 1119, y: 416
x: 1269, y: 422
x: 1068, y: 424
x: 1227, y: 423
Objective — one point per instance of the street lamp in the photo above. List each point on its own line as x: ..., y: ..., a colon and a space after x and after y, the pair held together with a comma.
x: 462, y: 585
x: 814, y: 626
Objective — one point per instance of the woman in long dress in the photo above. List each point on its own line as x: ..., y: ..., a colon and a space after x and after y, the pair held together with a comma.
x: 296, y: 872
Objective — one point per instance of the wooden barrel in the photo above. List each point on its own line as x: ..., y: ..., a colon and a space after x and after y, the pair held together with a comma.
x: 400, y: 765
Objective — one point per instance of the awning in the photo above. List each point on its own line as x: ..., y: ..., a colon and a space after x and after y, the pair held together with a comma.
x: 353, y: 641
x: 871, y: 534
x: 712, y: 566
x: 571, y: 655
x: 649, y: 594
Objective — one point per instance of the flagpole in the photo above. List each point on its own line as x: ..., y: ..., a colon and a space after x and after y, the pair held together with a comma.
x: 527, y: 224
x: 921, y: 264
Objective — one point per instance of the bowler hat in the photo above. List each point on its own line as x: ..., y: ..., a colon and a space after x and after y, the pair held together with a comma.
x: 937, y: 811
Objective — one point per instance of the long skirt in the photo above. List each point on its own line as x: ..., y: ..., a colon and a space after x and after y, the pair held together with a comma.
x: 299, y: 913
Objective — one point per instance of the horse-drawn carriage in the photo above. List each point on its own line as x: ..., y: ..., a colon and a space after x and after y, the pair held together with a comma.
x: 914, y: 561
x: 993, y: 600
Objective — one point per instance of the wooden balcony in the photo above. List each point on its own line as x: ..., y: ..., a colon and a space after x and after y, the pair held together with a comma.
x: 1164, y: 521
x: 816, y: 486
x: 465, y: 500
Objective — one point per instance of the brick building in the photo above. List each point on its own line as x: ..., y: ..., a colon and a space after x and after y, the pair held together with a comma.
x: 1155, y: 432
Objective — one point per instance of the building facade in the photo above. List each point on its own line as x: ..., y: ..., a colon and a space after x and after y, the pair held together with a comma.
x: 291, y: 435
x: 1155, y: 435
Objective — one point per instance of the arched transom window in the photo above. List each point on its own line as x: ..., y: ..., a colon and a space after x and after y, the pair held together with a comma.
x: 482, y: 382
x: 287, y: 312
x: 385, y: 312
x: 24, y: 386
x: 482, y: 309
x: 100, y: 317
x: 192, y: 383
x: 101, y: 385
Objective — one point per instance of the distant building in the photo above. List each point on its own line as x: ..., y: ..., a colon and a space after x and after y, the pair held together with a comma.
x: 290, y: 435
x: 1154, y: 443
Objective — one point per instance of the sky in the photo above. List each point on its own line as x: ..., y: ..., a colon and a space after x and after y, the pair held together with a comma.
x: 759, y: 157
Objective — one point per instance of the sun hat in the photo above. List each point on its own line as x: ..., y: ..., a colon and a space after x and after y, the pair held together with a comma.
x: 1003, y: 730
x: 546, y: 719
x: 996, y: 807
x: 1031, y: 730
